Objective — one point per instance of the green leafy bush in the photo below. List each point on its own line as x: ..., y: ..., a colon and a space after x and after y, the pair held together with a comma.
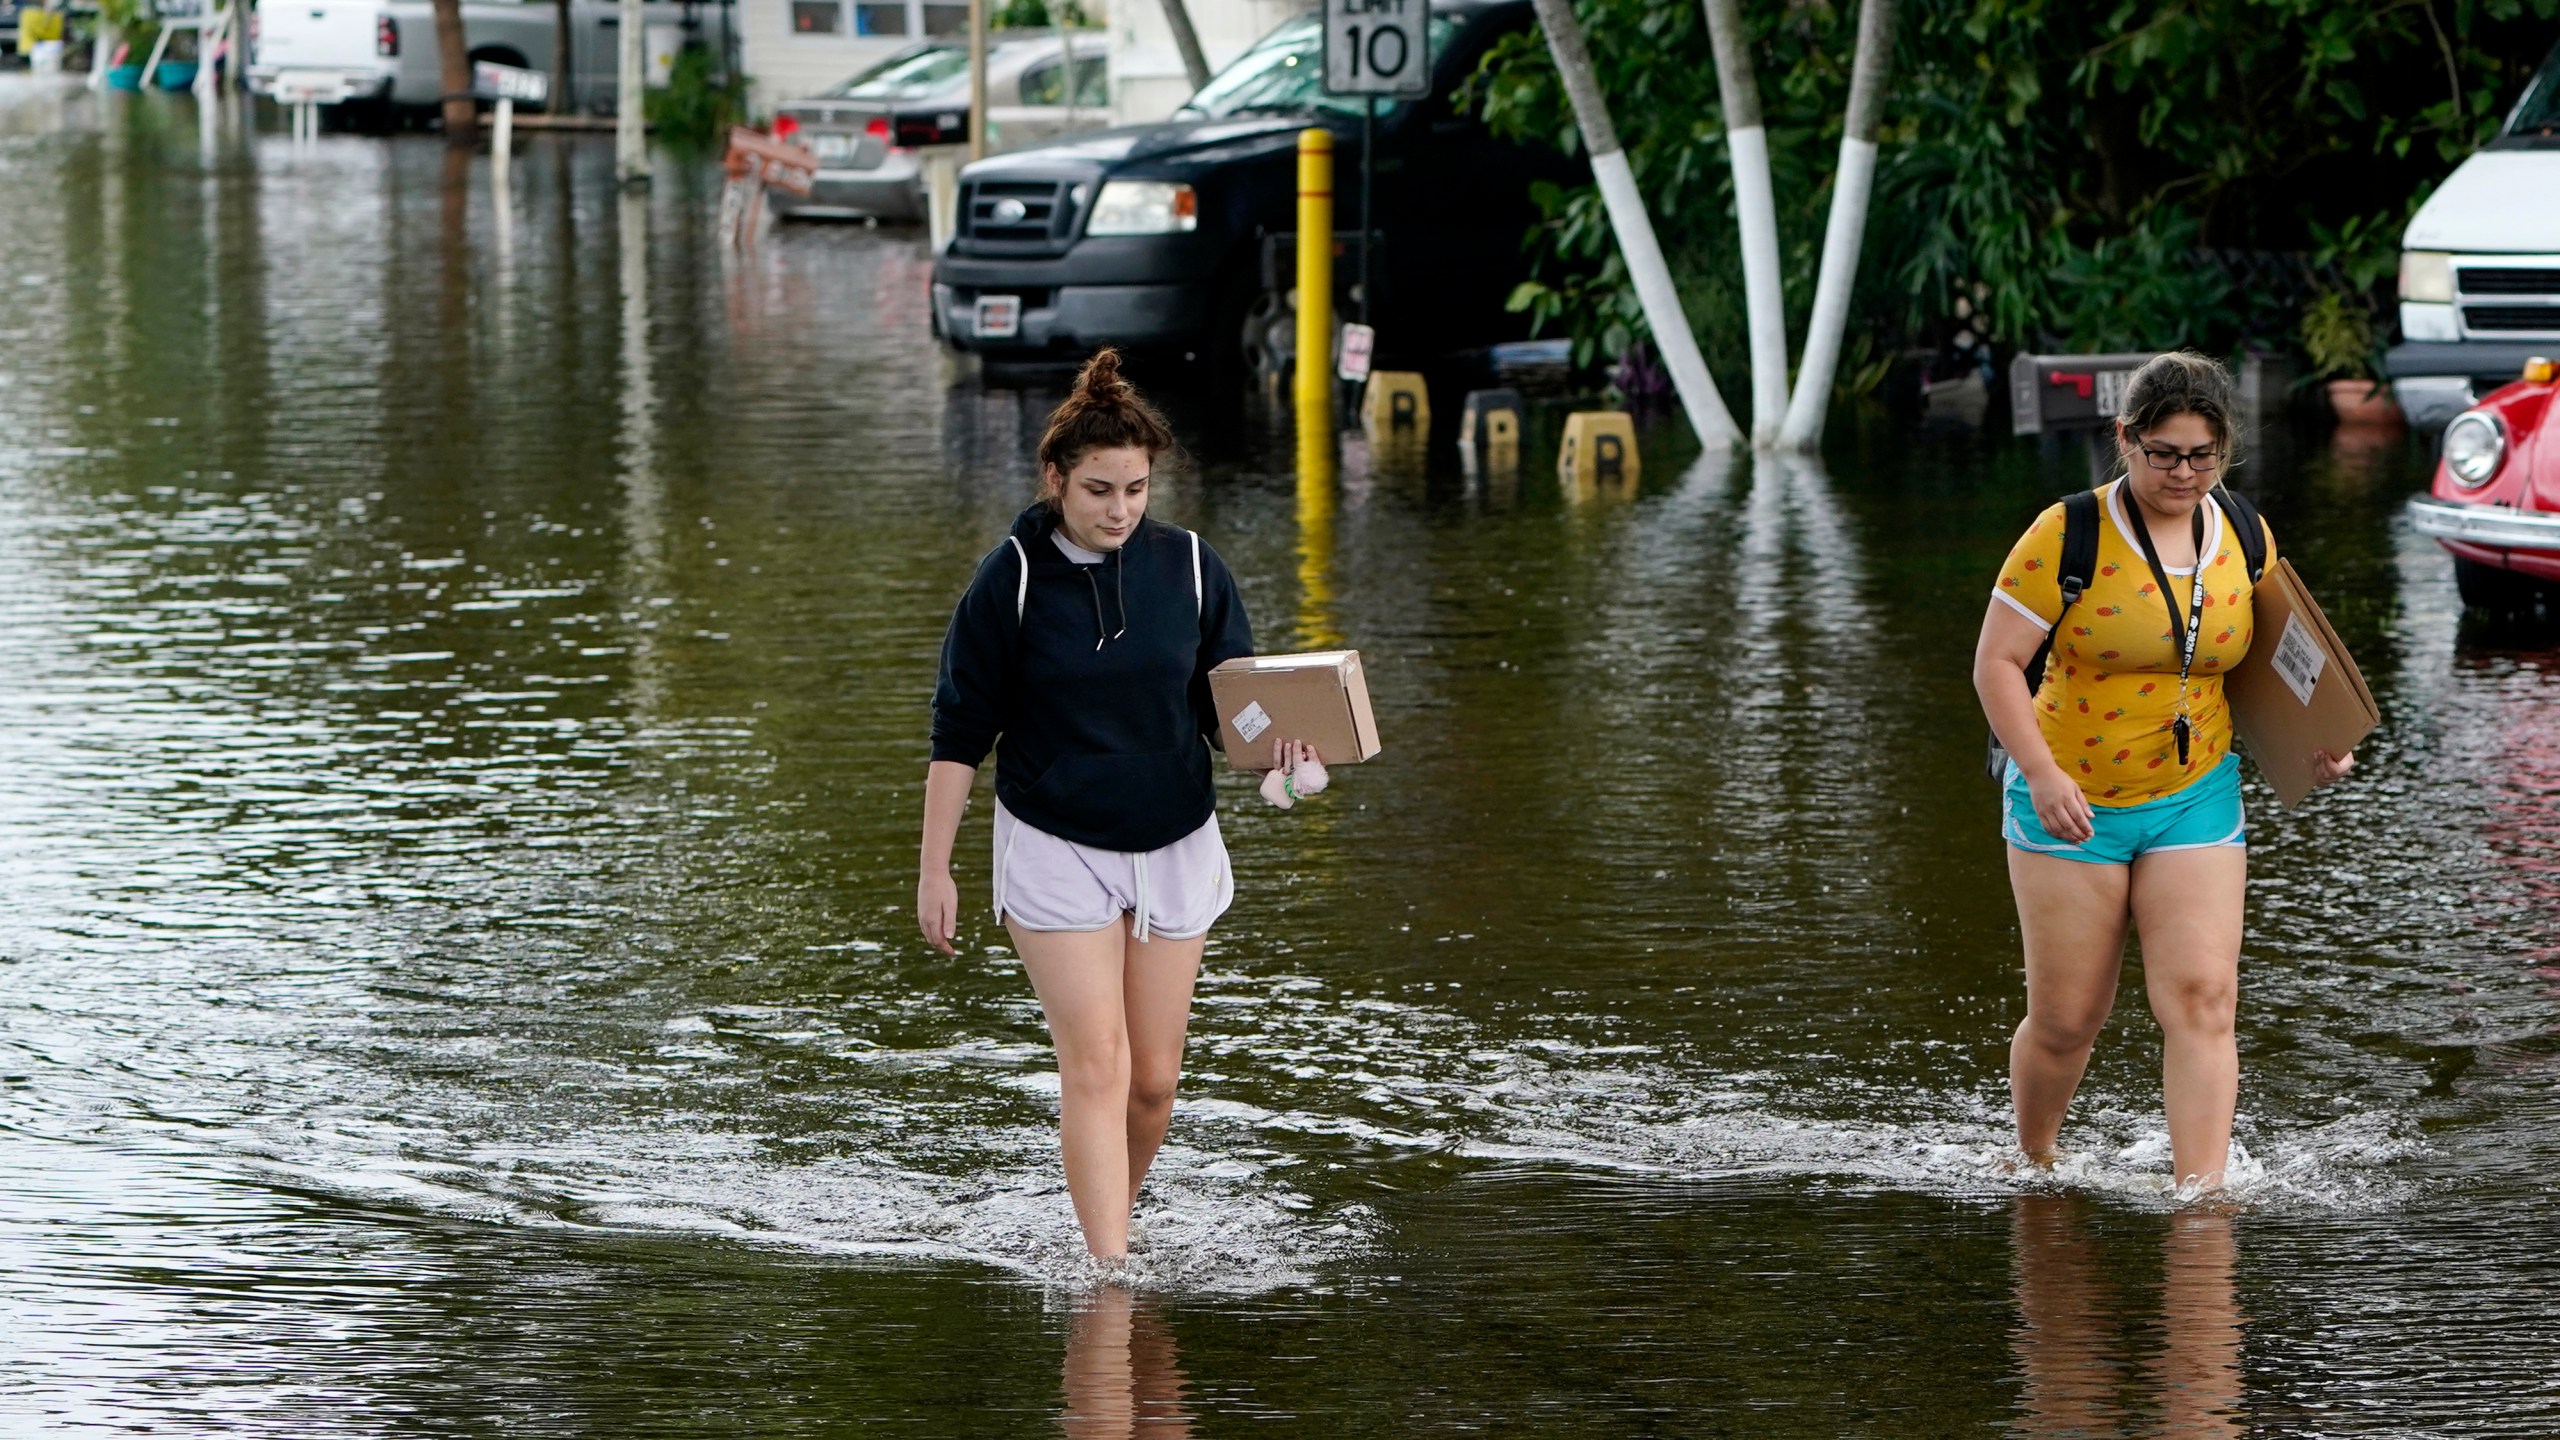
x: 2066, y: 167
x: 699, y: 104
x: 2338, y: 336
x: 1039, y: 15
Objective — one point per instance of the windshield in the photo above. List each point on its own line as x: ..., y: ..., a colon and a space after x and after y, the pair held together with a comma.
x: 905, y: 77
x: 1286, y: 72
x: 2538, y: 113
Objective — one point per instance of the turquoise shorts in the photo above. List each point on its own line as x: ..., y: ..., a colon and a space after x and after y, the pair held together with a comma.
x: 2204, y: 815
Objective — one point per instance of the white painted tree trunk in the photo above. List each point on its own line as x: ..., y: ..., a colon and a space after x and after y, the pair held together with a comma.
x: 631, y: 98
x: 1633, y: 228
x: 1195, y: 64
x: 1756, y: 215
x: 1845, y: 235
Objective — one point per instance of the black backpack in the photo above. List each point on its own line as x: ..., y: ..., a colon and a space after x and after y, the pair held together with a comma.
x: 2080, y: 521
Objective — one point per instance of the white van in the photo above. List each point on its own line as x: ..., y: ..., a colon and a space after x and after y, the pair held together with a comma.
x: 2480, y: 266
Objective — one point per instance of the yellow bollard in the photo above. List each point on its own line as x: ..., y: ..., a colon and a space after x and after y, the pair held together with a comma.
x: 1489, y: 430
x: 1599, y: 448
x: 1395, y: 400
x: 1314, y: 384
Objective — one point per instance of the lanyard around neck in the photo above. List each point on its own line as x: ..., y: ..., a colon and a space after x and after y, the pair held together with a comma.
x: 2182, y: 631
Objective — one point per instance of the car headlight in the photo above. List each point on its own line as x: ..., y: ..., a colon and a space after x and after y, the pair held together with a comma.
x: 1143, y: 207
x: 2474, y: 444
x: 2426, y: 276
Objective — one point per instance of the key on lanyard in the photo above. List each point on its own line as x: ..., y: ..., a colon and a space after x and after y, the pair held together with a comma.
x: 2182, y: 632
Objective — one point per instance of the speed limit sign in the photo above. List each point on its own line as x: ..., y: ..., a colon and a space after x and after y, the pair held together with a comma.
x: 1378, y: 47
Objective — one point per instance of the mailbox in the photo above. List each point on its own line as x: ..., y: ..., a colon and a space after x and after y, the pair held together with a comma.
x: 2050, y: 393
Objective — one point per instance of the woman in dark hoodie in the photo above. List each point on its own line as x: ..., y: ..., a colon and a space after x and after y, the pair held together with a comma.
x: 1085, y: 641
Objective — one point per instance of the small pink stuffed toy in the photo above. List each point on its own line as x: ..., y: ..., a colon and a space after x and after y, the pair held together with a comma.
x: 1296, y: 774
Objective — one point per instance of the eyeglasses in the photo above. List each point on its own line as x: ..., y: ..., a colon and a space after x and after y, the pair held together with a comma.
x: 2202, y: 462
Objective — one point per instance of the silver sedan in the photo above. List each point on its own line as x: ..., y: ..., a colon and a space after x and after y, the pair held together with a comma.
x: 871, y: 132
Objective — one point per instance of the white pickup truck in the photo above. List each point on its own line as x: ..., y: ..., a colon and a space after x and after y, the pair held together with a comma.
x: 2480, y: 266
x: 385, y: 50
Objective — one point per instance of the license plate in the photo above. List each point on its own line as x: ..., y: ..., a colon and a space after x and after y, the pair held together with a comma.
x: 832, y: 147
x: 999, y: 316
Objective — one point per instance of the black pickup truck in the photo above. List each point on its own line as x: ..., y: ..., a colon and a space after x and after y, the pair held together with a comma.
x: 1179, y: 236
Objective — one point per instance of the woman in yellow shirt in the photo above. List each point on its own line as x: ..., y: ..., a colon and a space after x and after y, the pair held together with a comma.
x: 2122, y: 802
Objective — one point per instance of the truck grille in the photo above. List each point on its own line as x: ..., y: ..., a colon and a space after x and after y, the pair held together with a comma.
x: 2512, y: 317
x: 2509, y: 282
x: 1023, y: 214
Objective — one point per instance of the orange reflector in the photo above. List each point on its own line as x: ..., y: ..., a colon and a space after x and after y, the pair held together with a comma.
x: 2539, y: 369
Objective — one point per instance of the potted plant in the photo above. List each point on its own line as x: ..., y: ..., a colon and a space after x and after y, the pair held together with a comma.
x: 2338, y: 338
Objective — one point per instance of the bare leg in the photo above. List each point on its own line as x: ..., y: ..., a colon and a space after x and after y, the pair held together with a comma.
x: 1077, y: 976
x: 1156, y: 981
x: 2072, y: 916
x: 2187, y: 904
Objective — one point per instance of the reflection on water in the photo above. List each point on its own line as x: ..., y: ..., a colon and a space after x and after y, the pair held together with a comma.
x: 1123, y: 1377
x: 458, y: 778
x: 2096, y: 1355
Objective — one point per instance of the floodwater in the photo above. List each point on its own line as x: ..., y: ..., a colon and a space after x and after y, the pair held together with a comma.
x: 459, y: 771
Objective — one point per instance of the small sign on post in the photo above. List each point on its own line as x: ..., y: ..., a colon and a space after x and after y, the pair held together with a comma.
x: 1378, y: 47
x: 1359, y: 347
x: 756, y: 160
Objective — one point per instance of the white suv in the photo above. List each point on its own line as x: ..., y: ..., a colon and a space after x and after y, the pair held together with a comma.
x: 2480, y: 265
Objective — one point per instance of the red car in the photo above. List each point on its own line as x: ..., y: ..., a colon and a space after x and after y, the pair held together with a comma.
x: 2496, y: 499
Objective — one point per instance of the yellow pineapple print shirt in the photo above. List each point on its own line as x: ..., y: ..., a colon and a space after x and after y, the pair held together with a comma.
x: 2111, y: 687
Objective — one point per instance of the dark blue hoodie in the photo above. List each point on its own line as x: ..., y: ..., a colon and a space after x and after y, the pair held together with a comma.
x: 1100, y: 689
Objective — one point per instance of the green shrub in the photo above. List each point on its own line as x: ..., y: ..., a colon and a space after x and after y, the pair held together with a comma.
x: 2338, y: 336
x: 2062, y: 166
x: 698, y: 105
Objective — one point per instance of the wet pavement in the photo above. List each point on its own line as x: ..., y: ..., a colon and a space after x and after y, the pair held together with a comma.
x: 458, y: 792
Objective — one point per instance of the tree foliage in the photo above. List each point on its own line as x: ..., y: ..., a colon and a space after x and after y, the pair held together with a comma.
x: 2064, y: 169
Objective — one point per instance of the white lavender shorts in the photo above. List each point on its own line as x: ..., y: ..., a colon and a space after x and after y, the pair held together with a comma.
x: 1176, y: 892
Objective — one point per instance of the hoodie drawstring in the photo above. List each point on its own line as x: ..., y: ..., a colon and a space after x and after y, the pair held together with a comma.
x: 1103, y: 633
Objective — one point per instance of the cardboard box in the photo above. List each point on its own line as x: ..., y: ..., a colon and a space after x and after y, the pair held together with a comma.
x: 1321, y: 698
x: 2299, y: 690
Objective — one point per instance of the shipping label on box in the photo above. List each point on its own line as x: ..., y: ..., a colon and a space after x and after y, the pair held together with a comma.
x: 1321, y: 698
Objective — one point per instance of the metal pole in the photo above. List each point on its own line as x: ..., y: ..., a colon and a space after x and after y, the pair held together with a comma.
x: 1313, y: 382
x: 1067, y: 44
x: 1368, y: 149
x: 977, y: 79
x: 502, y: 140
x: 631, y: 99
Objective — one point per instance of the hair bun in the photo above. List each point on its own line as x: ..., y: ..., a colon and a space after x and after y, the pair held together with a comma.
x: 1100, y: 379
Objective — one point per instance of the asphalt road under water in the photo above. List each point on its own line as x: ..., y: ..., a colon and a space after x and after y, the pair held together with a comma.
x: 459, y: 767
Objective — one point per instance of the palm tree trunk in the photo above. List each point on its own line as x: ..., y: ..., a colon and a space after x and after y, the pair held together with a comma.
x: 1195, y: 64
x: 1756, y: 212
x: 1633, y: 228
x: 1846, y: 234
x: 453, y: 73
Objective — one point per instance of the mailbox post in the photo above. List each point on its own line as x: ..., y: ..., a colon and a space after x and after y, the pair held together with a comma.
x: 505, y: 85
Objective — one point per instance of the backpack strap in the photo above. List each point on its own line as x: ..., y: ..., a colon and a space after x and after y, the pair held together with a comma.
x: 2251, y: 529
x: 1200, y: 596
x: 2080, y: 523
x: 1022, y: 587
